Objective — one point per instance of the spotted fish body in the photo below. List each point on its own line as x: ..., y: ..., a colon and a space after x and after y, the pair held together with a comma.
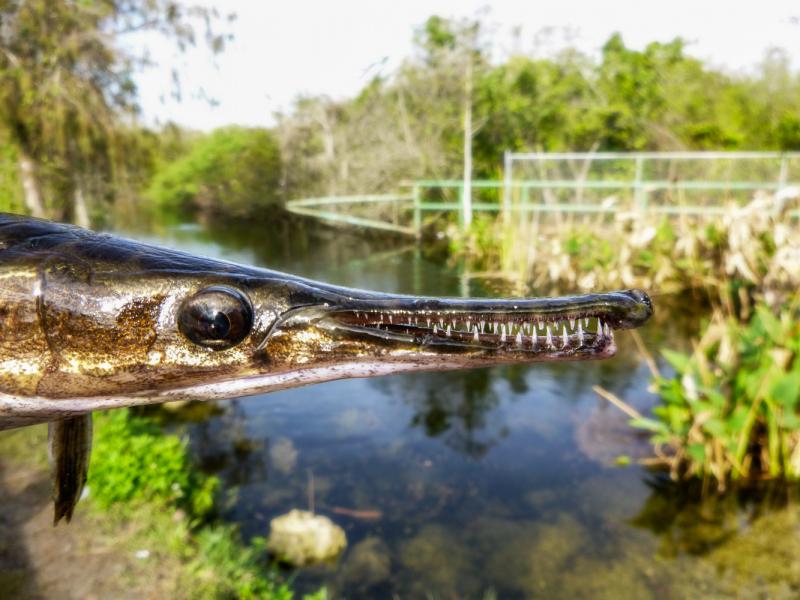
x: 91, y: 321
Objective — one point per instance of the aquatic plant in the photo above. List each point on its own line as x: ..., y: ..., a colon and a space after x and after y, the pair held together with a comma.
x: 731, y: 412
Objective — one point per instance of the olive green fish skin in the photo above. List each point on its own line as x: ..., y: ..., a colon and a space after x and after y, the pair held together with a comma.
x: 91, y: 321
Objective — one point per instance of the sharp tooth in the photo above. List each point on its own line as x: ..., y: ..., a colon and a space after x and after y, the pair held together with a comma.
x: 549, y: 336
x: 390, y: 319
x: 448, y: 332
x: 475, y: 337
x: 409, y: 320
x: 564, y: 337
x: 585, y: 321
x: 572, y: 323
x: 502, y: 334
x: 428, y: 321
x: 435, y: 330
x: 518, y: 339
x: 527, y: 328
x: 441, y: 323
x: 469, y: 325
x: 580, y: 332
x: 539, y: 325
x: 483, y: 324
x: 535, y: 337
x: 453, y: 323
x: 496, y: 327
x: 606, y: 330
x: 599, y: 327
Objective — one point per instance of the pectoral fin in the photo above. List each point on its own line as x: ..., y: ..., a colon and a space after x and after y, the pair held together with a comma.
x: 70, y: 447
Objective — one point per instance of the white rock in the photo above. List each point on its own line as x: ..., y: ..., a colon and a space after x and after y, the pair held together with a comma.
x: 302, y: 538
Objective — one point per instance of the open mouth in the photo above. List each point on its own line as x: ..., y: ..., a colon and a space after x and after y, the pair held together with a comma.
x: 571, y: 327
x: 489, y: 330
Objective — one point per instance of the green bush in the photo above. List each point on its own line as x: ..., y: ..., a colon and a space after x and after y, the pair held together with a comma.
x: 222, y: 567
x: 135, y: 466
x: 133, y: 461
x: 732, y: 410
x: 234, y: 171
x: 10, y: 186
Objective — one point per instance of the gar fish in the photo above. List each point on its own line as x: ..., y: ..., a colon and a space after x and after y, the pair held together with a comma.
x: 90, y: 321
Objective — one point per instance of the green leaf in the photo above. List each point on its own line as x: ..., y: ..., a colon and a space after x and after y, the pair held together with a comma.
x: 785, y: 389
x: 697, y: 452
x: 679, y: 361
x: 771, y: 325
x: 649, y: 424
x: 716, y: 427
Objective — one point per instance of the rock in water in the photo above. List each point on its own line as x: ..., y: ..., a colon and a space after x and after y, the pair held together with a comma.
x: 303, y: 538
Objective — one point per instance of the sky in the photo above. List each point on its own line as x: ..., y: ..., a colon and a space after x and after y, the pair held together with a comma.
x: 281, y: 50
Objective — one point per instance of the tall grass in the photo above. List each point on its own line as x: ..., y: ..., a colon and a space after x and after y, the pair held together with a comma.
x: 755, y: 246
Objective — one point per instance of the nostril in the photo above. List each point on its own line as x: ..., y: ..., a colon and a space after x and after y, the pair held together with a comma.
x: 641, y: 296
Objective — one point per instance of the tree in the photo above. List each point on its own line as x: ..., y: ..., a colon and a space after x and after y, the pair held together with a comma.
x: 234, y: 171
x: 66, y: 87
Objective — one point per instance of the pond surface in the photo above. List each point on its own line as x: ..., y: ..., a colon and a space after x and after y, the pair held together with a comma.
x: 497, y: 482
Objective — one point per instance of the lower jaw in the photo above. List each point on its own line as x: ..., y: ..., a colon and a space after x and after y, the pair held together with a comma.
x: 17, y: 411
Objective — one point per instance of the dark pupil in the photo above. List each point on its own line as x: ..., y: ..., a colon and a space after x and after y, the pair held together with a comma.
x: 218, y: 325
x: 217, y: 318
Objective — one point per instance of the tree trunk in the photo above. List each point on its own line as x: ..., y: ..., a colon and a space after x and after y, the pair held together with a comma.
x: 81, y: 213
x: 30, y: 186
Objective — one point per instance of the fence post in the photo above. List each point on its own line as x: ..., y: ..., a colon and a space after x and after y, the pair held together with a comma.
x: 466, y: 204
x: 506, y: 183
x: 777, y: 206
x: 461, y: 214
x: 415, y: 194
x: 640, y: 194
x: 784, y: 173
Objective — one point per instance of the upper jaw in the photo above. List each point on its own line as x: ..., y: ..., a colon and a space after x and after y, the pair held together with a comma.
x: 573, y: 327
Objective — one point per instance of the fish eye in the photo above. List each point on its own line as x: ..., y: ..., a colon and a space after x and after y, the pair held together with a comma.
x: 216, y: 317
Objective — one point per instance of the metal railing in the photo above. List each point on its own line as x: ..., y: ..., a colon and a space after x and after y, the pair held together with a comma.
x: 324, y: 209
x: 614, y: 174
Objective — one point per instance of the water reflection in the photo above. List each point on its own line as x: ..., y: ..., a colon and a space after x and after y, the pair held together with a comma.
x: 454, y: 407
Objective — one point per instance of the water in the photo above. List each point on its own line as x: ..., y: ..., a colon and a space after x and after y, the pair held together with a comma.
x: 466, y: 484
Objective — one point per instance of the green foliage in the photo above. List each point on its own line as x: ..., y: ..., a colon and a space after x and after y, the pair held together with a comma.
x: 235, y: 171
x: 10, y: 185
x: 67, y: 92
x: 222, y: 567
x: 136, y: 466
x: 132, y: 461
x: 732, y: 411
